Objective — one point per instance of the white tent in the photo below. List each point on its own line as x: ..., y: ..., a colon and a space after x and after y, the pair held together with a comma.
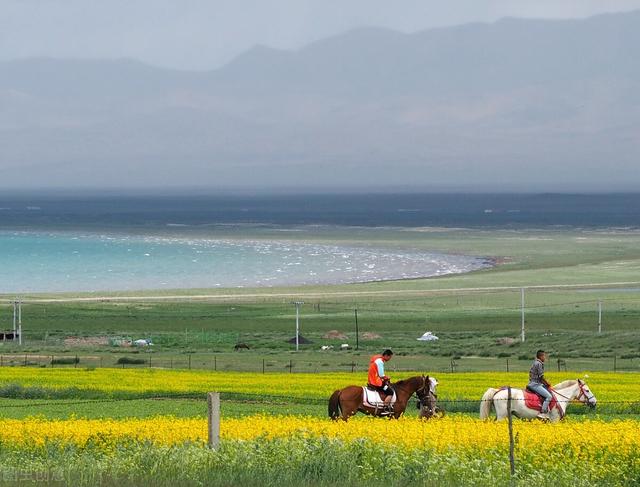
x: 428, y: 337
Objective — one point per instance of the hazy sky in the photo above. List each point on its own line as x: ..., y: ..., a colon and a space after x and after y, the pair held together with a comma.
x: 204, y: 34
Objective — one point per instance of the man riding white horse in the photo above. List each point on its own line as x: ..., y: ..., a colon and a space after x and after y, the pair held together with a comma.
x: 538, y: 384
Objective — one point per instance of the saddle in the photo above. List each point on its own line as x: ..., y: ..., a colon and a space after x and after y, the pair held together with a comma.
x: 373, y: 399
x: 534, y: 401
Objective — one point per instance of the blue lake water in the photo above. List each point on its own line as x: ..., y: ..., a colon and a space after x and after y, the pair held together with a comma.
x: 94, y: 242
x: 81, y: 261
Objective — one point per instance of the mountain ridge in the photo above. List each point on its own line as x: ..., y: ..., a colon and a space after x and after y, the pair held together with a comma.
x: 487, y: 103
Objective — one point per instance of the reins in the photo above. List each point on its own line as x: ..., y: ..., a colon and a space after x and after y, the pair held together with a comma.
x: 577, y: 398
x: 419, y: 389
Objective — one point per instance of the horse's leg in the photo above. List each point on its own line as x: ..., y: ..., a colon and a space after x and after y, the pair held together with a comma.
x: 500, y: 405
x: 350, y: 403
x: 398, y: 409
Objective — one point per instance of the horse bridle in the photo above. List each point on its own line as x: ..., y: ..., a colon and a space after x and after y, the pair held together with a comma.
x: 424, y: 389
x: 582, y: 393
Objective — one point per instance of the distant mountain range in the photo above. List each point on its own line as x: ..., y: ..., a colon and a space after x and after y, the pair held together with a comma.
x: 508, y: 105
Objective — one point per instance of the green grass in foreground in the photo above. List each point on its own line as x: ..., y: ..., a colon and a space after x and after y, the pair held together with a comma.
x: 305, y: 461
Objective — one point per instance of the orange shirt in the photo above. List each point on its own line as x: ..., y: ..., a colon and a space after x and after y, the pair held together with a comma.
x: 374, y: 378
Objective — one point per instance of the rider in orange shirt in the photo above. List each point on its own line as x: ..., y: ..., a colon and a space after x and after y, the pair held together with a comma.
x: 377, y: 378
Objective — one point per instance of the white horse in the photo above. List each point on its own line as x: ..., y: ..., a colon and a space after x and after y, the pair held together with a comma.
x: 565, y: 392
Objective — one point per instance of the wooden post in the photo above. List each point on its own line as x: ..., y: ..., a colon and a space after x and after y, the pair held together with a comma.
x: 512, y: 461
x: 75, y: 364
x: 215, y: 362
x: 614, y: 364
x: 189, y: 361
x: 263, y: 366
x: 507, y: 365
x: 213, y: 403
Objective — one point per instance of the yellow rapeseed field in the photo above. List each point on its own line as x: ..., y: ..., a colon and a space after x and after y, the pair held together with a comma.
x: 578, y: 438
x: 607, y: 386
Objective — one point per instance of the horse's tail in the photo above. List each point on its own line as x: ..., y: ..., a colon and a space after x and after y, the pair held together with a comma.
x: 486, y: 402
x: 334, y: 405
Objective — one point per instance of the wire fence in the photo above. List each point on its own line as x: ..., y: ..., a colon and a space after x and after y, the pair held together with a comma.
x: 265, y: 364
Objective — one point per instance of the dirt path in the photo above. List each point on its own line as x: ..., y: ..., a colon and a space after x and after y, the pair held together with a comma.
x: 314, y: 295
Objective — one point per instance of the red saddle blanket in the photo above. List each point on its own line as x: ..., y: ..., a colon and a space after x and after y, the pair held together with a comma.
x: 533, y: 401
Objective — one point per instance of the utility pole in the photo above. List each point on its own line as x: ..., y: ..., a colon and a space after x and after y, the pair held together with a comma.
x: 599, y: 316
x: 522, y: 337
x: 20, y: 322
x: 17, y: 320
x: 357, y: 342
x: 298, y: 304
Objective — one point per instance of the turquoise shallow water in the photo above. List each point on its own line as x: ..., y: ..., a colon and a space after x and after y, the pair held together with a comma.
x: 76, y: 261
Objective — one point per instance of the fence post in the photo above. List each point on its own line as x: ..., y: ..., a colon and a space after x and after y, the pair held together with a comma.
x: 189, y: 361
x: 213, y: 406
x: 290, y: 366
x: 263, y: 366
x: 507, y: 365
x: 512, y: 462
x: 75, y: 363
x: 614, y: 364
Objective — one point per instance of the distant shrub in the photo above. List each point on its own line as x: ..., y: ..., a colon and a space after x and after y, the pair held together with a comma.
x: 133, y: 361
x: 65, y: 360
x: 504, y: 354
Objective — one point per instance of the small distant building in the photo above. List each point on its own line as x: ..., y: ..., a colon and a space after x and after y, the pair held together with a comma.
x: 428, y: 337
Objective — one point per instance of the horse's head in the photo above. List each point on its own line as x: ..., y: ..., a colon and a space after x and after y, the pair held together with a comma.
x: 426, y: 386
x: 427, y: 397
x: 585, y: 395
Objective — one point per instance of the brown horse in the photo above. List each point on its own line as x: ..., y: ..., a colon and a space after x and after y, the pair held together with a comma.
x: 348, y: 401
